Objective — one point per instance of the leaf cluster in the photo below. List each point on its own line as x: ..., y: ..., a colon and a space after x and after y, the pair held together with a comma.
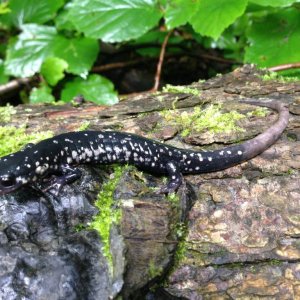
x: 59, y: 39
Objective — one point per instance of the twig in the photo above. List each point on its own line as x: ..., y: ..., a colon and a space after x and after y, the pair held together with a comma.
x: 284, y: 67
x: 118, y: 65
x: 160, y: 62
x: 14, y: 85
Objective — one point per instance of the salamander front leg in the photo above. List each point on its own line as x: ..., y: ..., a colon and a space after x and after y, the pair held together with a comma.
x: 175, y: 179
x: 67, y: 176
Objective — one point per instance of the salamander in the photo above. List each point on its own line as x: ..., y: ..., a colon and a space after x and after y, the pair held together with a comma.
x: 59, y: 156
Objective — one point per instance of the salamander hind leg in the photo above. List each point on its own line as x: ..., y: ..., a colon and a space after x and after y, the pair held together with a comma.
x: 67, y: 176
x: 175, y: 179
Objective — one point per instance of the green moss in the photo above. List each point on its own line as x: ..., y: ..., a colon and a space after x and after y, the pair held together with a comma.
x: 269, y: 76
x: 13, y: 139
x: 276, y: 76
x: 180, y: 89
x: 154, y: 271
x: 180, y: 253
x: 258, y: 112
x: 210, y: 118
x: 84, y: 126
x: 6, y: 112
x: 108, y: 215
x: 173, y: 198
x: 79, y: 227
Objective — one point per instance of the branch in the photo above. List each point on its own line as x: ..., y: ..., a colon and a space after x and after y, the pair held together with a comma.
x: 160, y: 62
x: 284, y: 67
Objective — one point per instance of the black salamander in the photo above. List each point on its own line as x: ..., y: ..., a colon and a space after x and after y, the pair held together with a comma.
x: 60, y: 155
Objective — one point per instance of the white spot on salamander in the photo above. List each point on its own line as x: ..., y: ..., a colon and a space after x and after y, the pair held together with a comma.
x: 55, y: 141
x: 239, y: 152
x: 74, y: 154
x: 89, y: 152
x: 209, y: 158
x: 228, y: 152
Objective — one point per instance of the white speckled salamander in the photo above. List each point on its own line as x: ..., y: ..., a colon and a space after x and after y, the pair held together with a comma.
x: 59, y: 155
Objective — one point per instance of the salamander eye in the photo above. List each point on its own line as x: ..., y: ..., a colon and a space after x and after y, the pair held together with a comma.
x: 8, y: 181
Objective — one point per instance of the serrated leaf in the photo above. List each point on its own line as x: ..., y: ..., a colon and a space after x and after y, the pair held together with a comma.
x: 41, y: 95
x: 95, y: 88
x: 213, y: 16
x: 274, y: 3
x: 26, y: 54
x: 179, y: 12
x: 53, y: 69
x: 32, y: 11
x: 284, y: 28
x: 115, y: 20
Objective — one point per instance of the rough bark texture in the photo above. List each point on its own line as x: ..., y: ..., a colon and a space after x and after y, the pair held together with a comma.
x: 242, y: 225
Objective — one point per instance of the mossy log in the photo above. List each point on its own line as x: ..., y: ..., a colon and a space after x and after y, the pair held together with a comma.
x: 232, y: 234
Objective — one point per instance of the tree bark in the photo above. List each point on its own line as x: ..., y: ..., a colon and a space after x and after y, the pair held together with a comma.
x: 232, y: 234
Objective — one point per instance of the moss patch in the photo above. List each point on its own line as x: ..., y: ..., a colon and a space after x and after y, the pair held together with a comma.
x: 84, y: 126
x: 13, y: 139
x: 6, y: 112
x: 258, y: 112
x: 154, y: 270
x: 108, y: 215
x: 210, y: 118
x: 180, y: 89
x: 276, y: 76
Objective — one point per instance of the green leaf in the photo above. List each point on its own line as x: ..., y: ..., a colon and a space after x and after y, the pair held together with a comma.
x: 4, y: 9
x: 115, y: 20
x: 53, y: 69
x: 3, y: 77
x: 179, y: 12
x: 26, y: 54
x: 32, y: 11
x: 80, y: 53
x: 41, y: 95
x: 62, y: 21
x: 274, y: 3
x: 95, y: 88
x: 213, y: 16
x: 284, y: 30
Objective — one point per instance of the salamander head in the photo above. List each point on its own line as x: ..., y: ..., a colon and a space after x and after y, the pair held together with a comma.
x: 16, y: 170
